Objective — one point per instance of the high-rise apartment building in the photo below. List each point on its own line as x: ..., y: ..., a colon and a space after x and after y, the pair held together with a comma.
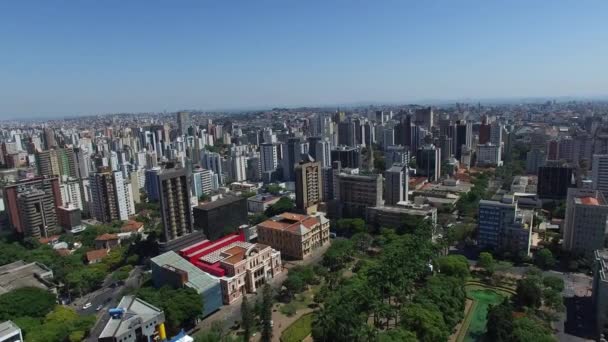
x: 12, y: 192
x: 108, y: 197
x: 585, y: 221
x: 183, y: 122
x: 38, y: 213
x: 176, y: 212
x: 309, y: 186
x: 424, y: 118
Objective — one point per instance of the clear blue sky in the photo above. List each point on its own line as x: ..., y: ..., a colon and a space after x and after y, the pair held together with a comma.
x: 87, y: 57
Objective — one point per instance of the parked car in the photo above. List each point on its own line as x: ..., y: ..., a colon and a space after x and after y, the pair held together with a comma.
x: 86, y: 306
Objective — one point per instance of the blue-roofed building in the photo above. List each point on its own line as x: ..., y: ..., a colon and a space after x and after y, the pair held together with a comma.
x: 503, y: 226
x: 170, y: 269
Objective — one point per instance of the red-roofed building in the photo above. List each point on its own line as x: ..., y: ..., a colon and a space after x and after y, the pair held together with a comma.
x: 107, y: 241
x: 295, y: 235
x: 95, y: 256
x: 242, y: 266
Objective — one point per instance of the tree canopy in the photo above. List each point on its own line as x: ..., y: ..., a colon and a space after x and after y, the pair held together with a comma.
x: 285, y: 204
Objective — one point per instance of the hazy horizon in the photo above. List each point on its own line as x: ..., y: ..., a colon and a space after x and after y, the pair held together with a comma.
x: 87, y: 58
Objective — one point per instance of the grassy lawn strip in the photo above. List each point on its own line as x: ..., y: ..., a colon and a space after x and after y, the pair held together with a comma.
x: 299, y: 329
x: 462, y: 333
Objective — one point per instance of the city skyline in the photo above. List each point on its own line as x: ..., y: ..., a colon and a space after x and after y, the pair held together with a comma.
x: 81, y: 59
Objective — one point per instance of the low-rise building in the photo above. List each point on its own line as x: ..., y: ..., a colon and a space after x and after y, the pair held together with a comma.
x: 392, y: 216
x: 259, y: 203
x: 134, y: 320
x: 242, y: 267
x: 96, y: 256
x: 295, y: 235
x: 170, y: 269
x: 107, y: 241
x: 20, y: 274
x: 10, y: 332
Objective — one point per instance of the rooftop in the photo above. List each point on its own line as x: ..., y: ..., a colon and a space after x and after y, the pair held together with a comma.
x: 197, y: 279
x: 131, y: 226
x: 106, y: 237
x: 587, y: 200
x: 96, y: 254
x: 290, y: 222
x: 21, y: 274
x: 136, y: 312
x: 220, y: 202
x: 8, y: 328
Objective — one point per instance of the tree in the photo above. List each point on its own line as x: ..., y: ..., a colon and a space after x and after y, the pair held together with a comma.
x: 454, y: 265
x: 553, y: 299
x: 266, y: 313
x: 257, y: 218
x: 274, y: 189
x: 397, y: 335
x: 486, y: 261
x: 500, y: 322
x: 529, y: 329
x: 285, y: 204
x: 338, y: 254
x: 544, y: 259
x: 426, y: 321
x: 362, y: 241
x: 247, y: 318
x: 527, y: 293
x: 349, y: 227
x: 182, y: 306
x: 293, y: 284
x: 26, y: 301
x: 554, y: 282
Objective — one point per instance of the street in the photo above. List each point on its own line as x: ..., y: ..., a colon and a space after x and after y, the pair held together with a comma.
x: 107, y: 296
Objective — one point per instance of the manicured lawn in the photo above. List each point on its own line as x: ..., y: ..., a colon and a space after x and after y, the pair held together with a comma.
x: 298, y: 330
x: 478, y: 316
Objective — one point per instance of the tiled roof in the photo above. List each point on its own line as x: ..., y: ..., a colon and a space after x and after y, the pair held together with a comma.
x: 106, y: 237
x: 96, y: 254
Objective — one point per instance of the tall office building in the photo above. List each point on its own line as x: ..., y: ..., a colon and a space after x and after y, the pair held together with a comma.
x: 48, y: 185
x: 293, y: 152
x: 108, y: 197
x: 309, y: 186
x: 323, y: 153
x: 71, y: 192
x: 395, y: 184
x: 347, y: 133
x: 554, y: 179
x: 535, y: 158
x: 599, y: 172
x: 464, y: 137
x: 238, y: 168
x: 183, y: 122
x: 424, y: 118
x: 357, y: 192
x: 428, y: 162
x: 349, y: 157
x: 585, y: 223
x: 269, y: 155
x: 502, y: 226
x: 488, y: 155
x: 176, y: 212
